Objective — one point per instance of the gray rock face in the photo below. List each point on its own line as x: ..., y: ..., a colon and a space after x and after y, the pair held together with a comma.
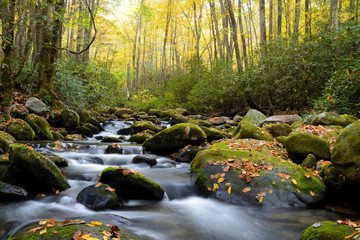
x: 98, y: 197
x: 36, y: 106
x: 329, y: 118
x: 148, y: 159
x: 254, y: 116
x: 11, y: 192
x: 289, y: 119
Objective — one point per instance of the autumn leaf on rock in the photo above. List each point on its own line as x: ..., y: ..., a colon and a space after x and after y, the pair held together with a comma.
x: 270, y: 191
x: 110, y: 189
x: 307, y: 175
x: 35, y: 229
x: 98, y: 185
x: 247, y: 189
x: 106, y: 233
x: 312, y: 193
x: 42, y: 222
x: 227, y: 184
x: 43, y: 231
x: 261, y: 199
x: 294, y: 181
x: 216, y: 186
x: 220, y: 180
x: 229, y: 190
x: 96, y: 223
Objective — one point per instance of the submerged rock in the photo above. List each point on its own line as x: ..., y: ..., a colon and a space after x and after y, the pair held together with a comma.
x: 131, y: 185
x: 98, y: 197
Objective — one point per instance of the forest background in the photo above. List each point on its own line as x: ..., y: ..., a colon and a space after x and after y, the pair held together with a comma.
x: 208, y: 56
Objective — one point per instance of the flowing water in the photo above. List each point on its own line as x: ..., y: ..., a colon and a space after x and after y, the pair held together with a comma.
x: 182, y: 214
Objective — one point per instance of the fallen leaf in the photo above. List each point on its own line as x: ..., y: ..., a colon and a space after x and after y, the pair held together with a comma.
x: 229, y: 190
x: 90, y: 225
x: 307, y: 175
x: 352, y: 235
x: 114, y: 228
x: 187, y: 130
x: 96, y: 223
x: 247, y: 189
x: 43, y: 231
x: 106, y: 233
x: 66, y: 221
x: 298, y: 190
x: 55, y: 232
x: 98, y: 185
x: 270, y: 168
x: 216, y: 186
x: 283, y: 180
x: 261, y: 199
x: 294, y: 181
x: 105, y: 238
x: 227, y: 184
x: 270, y: 191
x: 42, y: 222
x: 220, y: 180
x: 312, y: 193
x: 35, y: 229
x: 286, y: 176
x: 273, y: 182
x: 110, y: 189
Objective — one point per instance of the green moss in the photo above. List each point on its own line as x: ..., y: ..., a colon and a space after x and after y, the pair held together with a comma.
x: 279, y: 129
x: 155, y: 112
x: 57, y: 135
x: 70, y: 118
x: 214, y: 134
x: 40, y: 126
x: 143, y: 125
x: 120, y: 113
x: 329, y: 118
x: 297, y: 124
x: 332, y: 176
x: 246, y: 129
x: 140, y: 137
x: 202, y: 123
x: 349, y: 118
x: 21, y: 130
x: 327, y: 231
x: 5, y: 140
x: 309, y: 161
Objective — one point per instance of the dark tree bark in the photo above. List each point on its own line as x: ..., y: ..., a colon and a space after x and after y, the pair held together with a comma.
x: 234, y: 34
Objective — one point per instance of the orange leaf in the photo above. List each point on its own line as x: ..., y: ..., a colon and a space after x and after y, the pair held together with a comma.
x: 43, y: 231
x: 352, y: 235
x: 98, y: 185
x: 247, y: 189
x: 307, y: 175
x: 227, y: 184
x: 286, y: 176
x: 270, y: 191
x: 35, y: 229
x: 312, y: 193
x: 110, y: 189
x: 270, y: 168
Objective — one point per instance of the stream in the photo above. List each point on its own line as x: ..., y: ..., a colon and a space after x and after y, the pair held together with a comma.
x: 182, y: 214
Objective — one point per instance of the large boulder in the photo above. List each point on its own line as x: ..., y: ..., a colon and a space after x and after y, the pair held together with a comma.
x: 131, y: 185
x: 140, y: 137
x: 346, y: 152
x: 171, y: 112
x: 300, y: 144
x: 21, y: 130
x: 155, y: 112
x: 36, y: 106
x: 5, y: 140
x: 70, y: 118
x: 120, y: 113
x: 11, y: 192
x: 38, y: 173
x: 216, y: 121
x: 187, y: 154
x: 279, y: 129
x: 214, y: 134
x: 40, y: 126
x: 254, y: 116
x: 252, y: 178
x: 329, y: 118
x: 143, y: 125
x: 178, y: 136
x: 327, y: 230
x: 289, y: 119
x: 99, y: 197
x: 246, y: 129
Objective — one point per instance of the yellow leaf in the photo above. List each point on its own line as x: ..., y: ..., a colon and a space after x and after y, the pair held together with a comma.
x: 42, y: 222
x: 229, y: 190
x: 11, y: 142
x: 227, y: 184
x: 96, y: 223
x: 216, y: 186
x: 98, y: 185
x: 294, y: 181
x: 86, y: 236
x: 312, y: 193
x: 105, y: 238
x: 283, y: 180
x: 35, y: 229
x: 261, y: 199
x: 90, y: 225
x: 220, y: 180
x: 106, y: 233
x: 298, y: 190
x: 307, y: 175
x: 247, y: 189
x: 270, y: 191
x: 43, y: 231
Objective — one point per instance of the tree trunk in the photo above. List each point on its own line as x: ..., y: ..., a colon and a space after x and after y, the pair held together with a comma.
x: 308, y: 17
x: 242, y: 35
x: 296, y: 20
x: 270, y: 19
x: 197, y: 42
x: 234, y: 34
x: 163, y: 59
x: 334, y: 16
x: 262, y: 26
x: 128, y: 86
x: 136, y: 80
x: 279, y: 18
x: 218, y: 38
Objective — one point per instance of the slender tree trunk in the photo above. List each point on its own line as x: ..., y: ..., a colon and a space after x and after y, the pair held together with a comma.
x: 307, y: 17
x: 80, y: 33
x: 234, y: 34
x: 112, y: 60
x: 262, y: 26
x: 251, y: 20
x: 242, y: 35
x: 226, y: 47
x: 218, y: 38
x: 197, y: 42
x: 279, y: 18
x: 270, y: 19
x: 136, y: 80
x: 296, y: 20
x: 163, y: 59
x: 334, y: 16
x: 128, y: 85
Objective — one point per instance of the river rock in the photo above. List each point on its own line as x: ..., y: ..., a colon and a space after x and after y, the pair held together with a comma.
x: 224, y: 174
x: 114, y: 148
x: 171, y: 112
x: 202, y: 123
x: 143, y: 125
x: 327, y: 230
x: 59, y: 161
x: 98, y: 197
x: 309, y: 162
x: 40, y: 126
x: 349, y: 118
x: 40, y: 174
x: 120, y: 113
x: 126, y: 131
x: 36, y: 106
x: 84, y: 131
x: 214, y: 134
x: 329, y: 118
x: 254, y: 116
x: 155, y: 112
x: 177, y: 118
x: 11, y: 192
x: 279, y: 129
x: 178, y: 136
x: 131, y: 185
x: 288, y: 119
x: 93, y: 129
x: 146, y: 158
x: 300, y: 144
x: 237, y: 118
x: 216, y: 121
x: 187, y: 154
x: 5, y: 140
x: 21, y: 130
x: 246, y: 129
x: 18, y: 111
x: 70, y: 118
x: 140, y: 137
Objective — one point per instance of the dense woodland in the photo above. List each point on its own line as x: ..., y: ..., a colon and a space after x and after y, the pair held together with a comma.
x: 207, y: 56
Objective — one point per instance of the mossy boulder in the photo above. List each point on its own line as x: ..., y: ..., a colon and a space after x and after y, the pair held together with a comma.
x: 21, y: 130
x: 11, y: 192
x: 255, y: 179
x: 143, y: 125
x: 279, y: 129
x: 40, y: 126
x: 145, y: 158
x: 177, y: 118
x: 98, y: 197
x: 203, y: 123
x: 140, y: 137
x: 246, y: 129
x: 171, y: 112
x: 327, y: 230
x: 214, y: 134
x: 57, y: 135
x: 5, y: 140
x: 59, y: 161
x: 329, y: 118
x: 70, y: 118
x: 84, y: 131
x: 131, y: 185
x: 114, y: 148
x: 349, y: 118
x: 300, y: 144
x: 18, y: 110
x: 66, y: 231
x: 309, y: 161
x: 39, y: 174
x: 93, y: 128
x: 346, y: 152
x: 111, y: 139
x: 172, y: 139
x: 120, y: 113
x: 297, y: 124
x: 155, y: 112
x: 254, y: 116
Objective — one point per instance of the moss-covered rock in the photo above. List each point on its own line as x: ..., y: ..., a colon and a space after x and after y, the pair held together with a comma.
x: 93, y: 128
x: 57, y: 135
x: 246, y: 177
x: 203, y: 123
x: 254, y: 116
x: 18, y: 110
x: 111, y: 139
x: 327, y: 230
x: 131, y: 185
x: 297, y: 124
x: 172, y: 139
x: 329, y: 118
x: 300, y: 144
x: 171, y: 112
x: 309, y: 161
x: 40, y: 126
x: 5, y: 140
x: 279, y: 129
x: 40, y: 173
x: 59, y: 161
x: 21, y: 130
x: 120, y: 113
x: 66, y: 231
x: 114, y: 148
x: 143, y: 125
x: 246, y: 129
x: 84, y: 131
x: 11, y: 192
x: 140, y: 137
x: 332, y: 176
x: 214, y: 134
x: 72, y: 137
x: 346, y: 152
x: 70, y: 118
x: 177, y: 118
x: 155, y: 112
x: 98, y: 197
x: 349, y: 118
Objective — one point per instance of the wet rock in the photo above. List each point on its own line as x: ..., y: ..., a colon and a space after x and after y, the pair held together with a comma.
x: 214, y: 134
x: 171, y: 112
x: 72, y: 137
x: 93, y: 129
x: 126, y: 131
x: 120, y: 113
x: 111, y: 139
x: 279, y: 129
x: 143, y: 125
x: 11, y: 192
x: 114, y: 148
x: 83, y: 131
x: 177, y: 118
x: 146, y: 158
x: 70, y: 118
x: 349, y: 118
x: 254, y: 116
x: 327, y: 230
x: 178, y: 136
x: 246, y: 129
x: 329, y: 118
x: 187, y: 154
x: 40, y: 126
x: 57, y: 135
x: 309, y: 161
x: 36, y: 106
x: 5, y: 140
x: 131, y: 185
x: 21, y: 130
x: 202, y: 123
x: 140, y: 137
x: 155, y: 112
x: 59, y: 161
x: 98, y: 197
